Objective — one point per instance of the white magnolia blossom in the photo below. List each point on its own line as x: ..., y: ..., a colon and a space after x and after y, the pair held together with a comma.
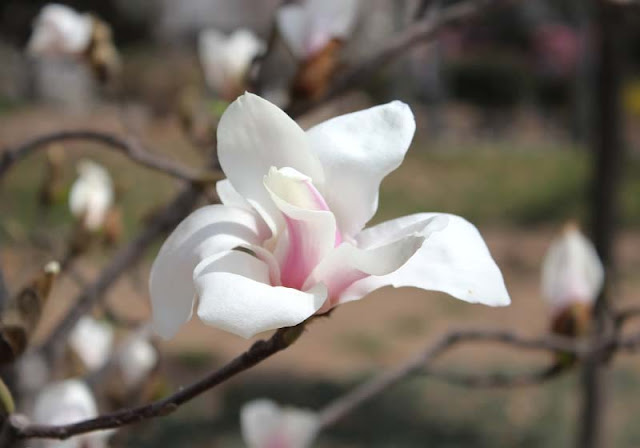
x: 226, y: 59
x: 264, y: 424
x: 60, y: 30
x: 571, y: 271
x: 309, y: 27
x: 91, y: 194
x: 68, y: 402
x: 137, y: 358
x: 92, y: 341
x: 296, y: 203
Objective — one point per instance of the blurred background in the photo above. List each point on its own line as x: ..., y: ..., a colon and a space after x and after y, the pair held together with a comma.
x: 503, y: 105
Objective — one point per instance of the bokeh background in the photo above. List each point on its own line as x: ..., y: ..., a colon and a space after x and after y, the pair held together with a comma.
x: 503, y: 108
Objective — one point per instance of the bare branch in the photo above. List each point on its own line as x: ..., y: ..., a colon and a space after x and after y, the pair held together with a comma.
x: 257, y: 353
x: 499, y: 379
x: 128, y: 147
x: 417, y: 33
x: 626, y: 314
x: 344, y: 405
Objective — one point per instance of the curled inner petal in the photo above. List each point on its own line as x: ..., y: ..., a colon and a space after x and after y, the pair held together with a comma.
x: 311, y: 227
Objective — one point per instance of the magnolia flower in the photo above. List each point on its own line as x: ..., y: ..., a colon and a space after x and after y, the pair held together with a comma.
x: 226, y: 59
x: 288, y: 241
x: 91, y: 194
x: 137, y: 359
x: 571, y: 272
x: 308, y: 28
x: 60, y: 30
x: 68, y: 402
x: 265, y: 425
x: 92, y: 341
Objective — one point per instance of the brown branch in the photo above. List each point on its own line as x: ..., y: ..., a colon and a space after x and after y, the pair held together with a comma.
x: 499, y: 379
x: 420, y: 363
x: 257, y: 353
x: 344, y: 405
x: 173, y: 213
x: 128, y: 147
x: 415, y: 34
x: 622, y: 316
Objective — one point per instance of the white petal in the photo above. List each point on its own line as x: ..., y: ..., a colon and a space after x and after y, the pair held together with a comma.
x: 229, y: 196
x: 213, y: 56
x: 205, y: 232
x: 91, y: 194
x: 307, y: 29
x: 68, y: 402
x: 59, y: 29
x: 336, y: 17
x: 225, y: 60
x: 292, y: 23
x: 264, y: 424
x: 92, y: 341
x: 311, y: 227
x: 357, y: 151
x: 137, y: 359
x: 454, y: 260
x: 253, y: 136
x: 235, y: 295
x: 243, y: 47
x: 572, y: 270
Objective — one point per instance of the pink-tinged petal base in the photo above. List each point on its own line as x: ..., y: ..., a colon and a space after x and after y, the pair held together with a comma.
x: 348, y: 264
x: 311, y: 228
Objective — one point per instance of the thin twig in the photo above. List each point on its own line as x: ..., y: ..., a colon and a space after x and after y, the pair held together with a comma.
x: 344, y: 405
x: 128, y: 147
x: 417, y: 33
x: 499, y: 379
x: 621, y: 317
x: 257, y: 353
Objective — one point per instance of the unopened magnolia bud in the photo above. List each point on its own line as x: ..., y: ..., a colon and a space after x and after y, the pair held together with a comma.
x: 572, y: 322
x: 23, y: 313
x: 315, y: 74
x: 102, y: 55
x: 52, y: 187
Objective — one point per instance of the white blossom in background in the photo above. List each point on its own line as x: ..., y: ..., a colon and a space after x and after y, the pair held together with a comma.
x: 91, y: 194
x: 226, y: 59
x: 572, y: 271
x: 137, y: 358
x: 60, y: 30
x: 264, y: 424
x: 309, y: 27
x: 66, y: 402
x: 296, y: 203
x: 92, y: 341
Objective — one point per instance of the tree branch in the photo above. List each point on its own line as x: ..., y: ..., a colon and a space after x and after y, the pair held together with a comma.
x: 420, y: 363
x: 344, y: 405
x: 128, y: 147
x: 499, y: 379
x: 257, y: 353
